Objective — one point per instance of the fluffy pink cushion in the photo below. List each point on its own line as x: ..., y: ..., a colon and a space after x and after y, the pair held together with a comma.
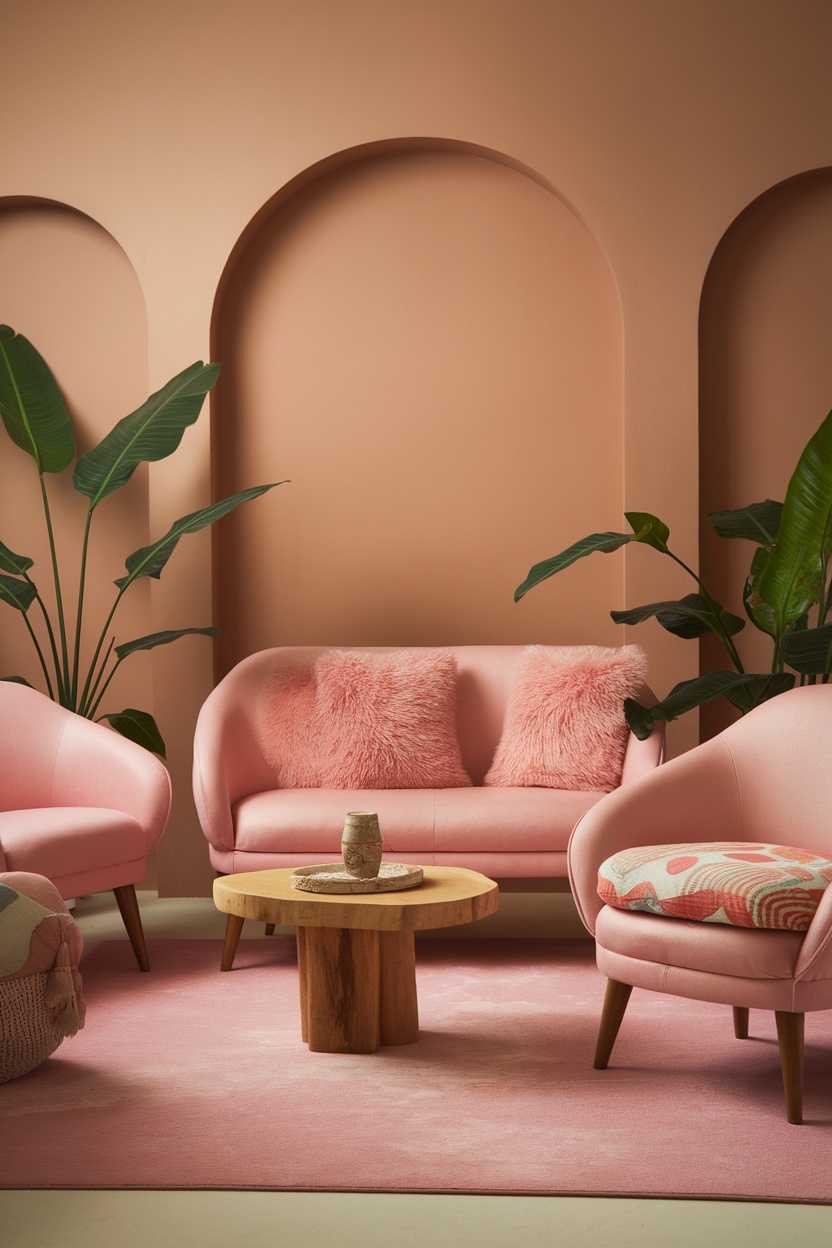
x: 734, y: 882
x: 565, y: 725
x: 388, y: 721
x: 361, y: 720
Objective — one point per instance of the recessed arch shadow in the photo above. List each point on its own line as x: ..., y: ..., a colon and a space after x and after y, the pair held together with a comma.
x: 427, y: 340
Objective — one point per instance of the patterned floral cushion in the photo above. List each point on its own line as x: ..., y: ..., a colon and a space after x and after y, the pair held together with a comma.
x: 735, y: 882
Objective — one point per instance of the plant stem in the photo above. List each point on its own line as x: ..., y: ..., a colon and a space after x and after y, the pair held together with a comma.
x: 85, y: 705
x: 76, y: 658
x: 58, y: 595
x: 720, y: 631
x: 90, y: 673
x: 97, y: 702
x: 40, y: 655
x: 56, y: 661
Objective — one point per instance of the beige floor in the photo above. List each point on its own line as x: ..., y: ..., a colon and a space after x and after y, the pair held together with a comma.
x: 297, y: 1220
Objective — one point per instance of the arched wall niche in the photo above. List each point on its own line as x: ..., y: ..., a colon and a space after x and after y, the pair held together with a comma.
x: 765, y: 380
x: 426, y: 340
x: 68, y: 286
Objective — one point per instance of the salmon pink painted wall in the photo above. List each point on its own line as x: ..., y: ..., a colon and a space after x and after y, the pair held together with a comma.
x: 453, y: 257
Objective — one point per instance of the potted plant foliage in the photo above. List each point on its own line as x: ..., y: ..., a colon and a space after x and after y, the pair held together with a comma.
x: 788, y: 578
x: 36, y: 419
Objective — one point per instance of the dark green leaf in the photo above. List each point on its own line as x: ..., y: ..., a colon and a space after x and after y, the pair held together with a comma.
x: 17, y: 680
x: 152, y: 432
x: 140, y: 727
x: 606, y: 543
x: 791, y: 581
x: 18, y: 594
x: 149, y: 560
x: 759, y: 612
x: 31, y: 405
x: 638, y: 718
x: 754, y: 689
x: 758, y: 522
x: 648, y: 529
x: 809, y: 650
x: 160, y: 639
x: 743, y: 690
x: 690, y: 616
x: 16, y: 564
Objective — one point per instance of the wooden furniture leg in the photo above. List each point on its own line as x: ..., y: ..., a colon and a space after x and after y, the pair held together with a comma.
x: 128, y: 904
x: 398, y: 1006
x: 233, y: 928
x: 341, y: 993
x: 790, y: 1039
x: 615, y: 1004
x: 740, y: 1021
x: 270, y: 929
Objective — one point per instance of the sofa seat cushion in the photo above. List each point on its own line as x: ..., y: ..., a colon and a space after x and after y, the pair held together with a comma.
x: 737, y: 883
x: 58, y: 841
x: 412, y: 821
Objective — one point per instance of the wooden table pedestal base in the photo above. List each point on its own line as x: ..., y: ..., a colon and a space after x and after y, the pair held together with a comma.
x: 357, y: 989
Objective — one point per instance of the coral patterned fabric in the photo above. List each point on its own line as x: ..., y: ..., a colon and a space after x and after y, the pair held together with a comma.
x: 735, y: 882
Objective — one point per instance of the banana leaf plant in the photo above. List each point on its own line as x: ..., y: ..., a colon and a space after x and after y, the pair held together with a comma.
x: 36, y: 419
x: 788, y: 577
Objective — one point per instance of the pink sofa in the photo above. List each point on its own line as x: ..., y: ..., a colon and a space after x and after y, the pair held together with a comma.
x: 252, y: 825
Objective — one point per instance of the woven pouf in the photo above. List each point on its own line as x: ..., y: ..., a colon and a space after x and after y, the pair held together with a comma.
x: 41, y: 996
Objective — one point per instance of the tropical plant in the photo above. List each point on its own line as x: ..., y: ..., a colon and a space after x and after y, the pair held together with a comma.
x: 36, y: 419
x: 789, y: 576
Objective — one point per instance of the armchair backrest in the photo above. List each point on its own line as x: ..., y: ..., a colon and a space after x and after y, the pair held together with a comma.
x: 31, y: 727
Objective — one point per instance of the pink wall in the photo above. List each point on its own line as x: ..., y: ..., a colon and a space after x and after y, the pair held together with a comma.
x: 465, y: 350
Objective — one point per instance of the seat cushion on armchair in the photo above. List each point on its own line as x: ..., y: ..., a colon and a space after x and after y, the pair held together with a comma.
x: 739, y: 883
x: 41, y: 998
x: 565, y: 725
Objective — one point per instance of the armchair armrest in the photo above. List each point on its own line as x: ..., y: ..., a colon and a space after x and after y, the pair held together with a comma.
x: 691, y: 798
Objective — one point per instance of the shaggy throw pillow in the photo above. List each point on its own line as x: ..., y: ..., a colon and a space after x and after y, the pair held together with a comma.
x: 734, y: 882
x: 287, y: 727
x: 565, y: 725
x: 388, y: 721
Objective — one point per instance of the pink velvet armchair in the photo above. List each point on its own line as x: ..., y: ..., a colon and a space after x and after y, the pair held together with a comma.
x: 765, y: 779
x: 79, y: 803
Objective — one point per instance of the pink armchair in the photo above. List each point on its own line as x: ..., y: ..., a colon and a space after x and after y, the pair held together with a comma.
x: 767, y: 779
x: 79, y: 803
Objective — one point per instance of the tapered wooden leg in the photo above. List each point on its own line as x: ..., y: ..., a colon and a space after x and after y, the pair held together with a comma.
x: 398, y: 1006
x: 790, y: 1039
x: 270, y: 929
x: 740, y: 1021
x: 615, y: 1004
x: 128, y: 904
x: 300, y: 935
x: 342, y: 990
x: 233, y: 928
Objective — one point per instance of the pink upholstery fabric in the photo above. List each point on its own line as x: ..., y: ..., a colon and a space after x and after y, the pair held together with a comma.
x: 745, y: 884
x: 78, y: 802
x: 247, y: 816
x: 565, y: 725
x: 762, y: 780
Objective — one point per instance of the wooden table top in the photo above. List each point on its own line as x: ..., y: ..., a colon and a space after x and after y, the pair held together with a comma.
x: 447, y: 897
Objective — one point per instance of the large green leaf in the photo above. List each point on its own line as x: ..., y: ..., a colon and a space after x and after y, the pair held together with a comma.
x: 18, y: 594
x: 138, y: 726
x: 758, y: 522
x: 791, y: 582
x: 160, y: 639
x: 648, y: 529
x: 152, y: 432
x: 809, y: 650
x: 31, y: 405
x: 17, y: 680
x: 743, y: 690
x: 149, y: 560
x: 690, y: 616
x: 16, y: 564
x: 606, y: 543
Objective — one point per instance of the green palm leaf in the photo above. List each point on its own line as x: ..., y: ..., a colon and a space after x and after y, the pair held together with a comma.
x: 758, y: 522
x: 152, y: 432
x: 791, y: 582
x: 160, y: 639
x: 743, y: 690
x: 150, y: 560
x: 31, y: 405
x: 16, y: 564
x: 688, y: 617
x: 138, y: 726
x: 18, y: 594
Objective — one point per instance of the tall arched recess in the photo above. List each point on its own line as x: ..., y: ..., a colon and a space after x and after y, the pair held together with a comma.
x: 426, y: 340
x: 765, y: 378
x: 68, y: 286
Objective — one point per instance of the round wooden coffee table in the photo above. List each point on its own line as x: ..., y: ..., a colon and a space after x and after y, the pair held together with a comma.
x: 356, y: 951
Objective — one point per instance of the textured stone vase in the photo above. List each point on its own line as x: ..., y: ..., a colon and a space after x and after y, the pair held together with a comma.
x: 361, y: 844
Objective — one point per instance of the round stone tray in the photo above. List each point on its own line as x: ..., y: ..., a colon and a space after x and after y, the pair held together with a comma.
x: 332, y: 877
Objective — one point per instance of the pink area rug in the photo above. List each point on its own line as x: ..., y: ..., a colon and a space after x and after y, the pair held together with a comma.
x: 189, y: 1078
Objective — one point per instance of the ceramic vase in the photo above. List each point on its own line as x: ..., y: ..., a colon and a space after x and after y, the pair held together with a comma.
x: 361, y: 844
